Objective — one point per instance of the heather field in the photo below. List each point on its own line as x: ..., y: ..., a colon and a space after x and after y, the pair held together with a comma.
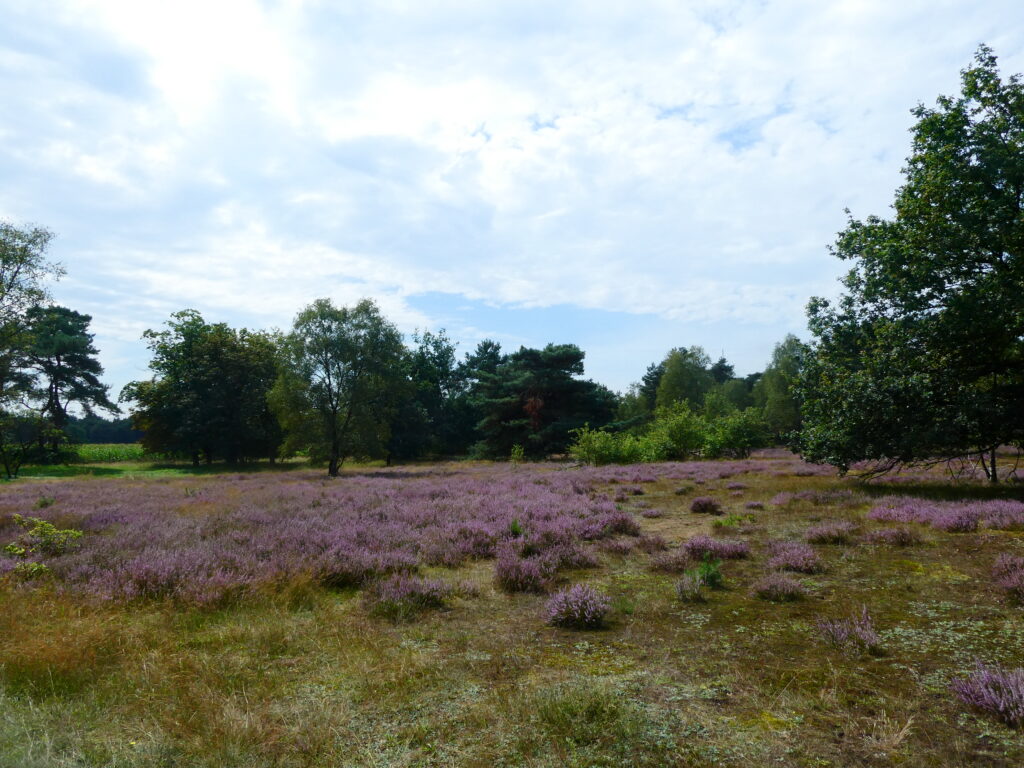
x: 755, y: 612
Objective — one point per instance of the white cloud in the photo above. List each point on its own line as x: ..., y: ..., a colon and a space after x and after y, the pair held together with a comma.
x: 687, y: 160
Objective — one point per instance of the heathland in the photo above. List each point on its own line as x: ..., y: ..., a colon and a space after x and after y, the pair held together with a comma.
x: 749, y: 612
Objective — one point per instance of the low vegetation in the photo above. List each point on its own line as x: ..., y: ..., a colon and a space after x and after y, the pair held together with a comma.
x: 445, y: 614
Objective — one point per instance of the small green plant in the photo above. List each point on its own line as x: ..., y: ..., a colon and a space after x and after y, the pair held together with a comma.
x: 30, y: 570
x: 515, y: 529
x: 732, y: 521
x: 41, y: 537
x: 709, y: 572
x: 44, y: 501
x: 518, y: 454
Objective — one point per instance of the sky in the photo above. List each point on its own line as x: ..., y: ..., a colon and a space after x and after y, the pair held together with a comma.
x: 628, y: 177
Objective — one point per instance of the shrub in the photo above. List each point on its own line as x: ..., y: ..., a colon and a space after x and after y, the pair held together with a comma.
x: 897, y: 537
x: 682, y: 490
x: 857, y: 632
x: 777, y: 588
x: 523, y: 574
x: 754, y: 505
x: 651, y: 543
x: 705, y: 505
x: 673, y: 561
x: 41, y: 538
x: 1008, y: 572
x: 710, y: 573
x: 838, y: 532
x: 618, y: 546
x: 733, y: 521
x: 690, y: 588
x: 795, y: 556
x: 401, y: 597
x: 358, y: 567
x: 736, y: 434
x: 956, y: 522
x: 578, y: 607
x: 736, y: 486
x: 726, y: 549
x: 995, y: 691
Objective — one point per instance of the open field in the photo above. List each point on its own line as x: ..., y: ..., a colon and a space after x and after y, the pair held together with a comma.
x: 239, y: 619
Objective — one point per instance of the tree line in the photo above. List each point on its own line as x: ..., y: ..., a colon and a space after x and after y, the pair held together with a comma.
x: 921, y: 358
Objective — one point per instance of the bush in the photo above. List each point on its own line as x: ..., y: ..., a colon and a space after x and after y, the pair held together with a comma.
x: 995, y: 691
x: 523, y: 574
x: 777, y: 588
x: 672, y: 561
x: 724, y: 549
x: 856, y: 632
x: 1008, y: 573
x: 897, y: 537
x: 690, y: 588
x: 736, y: 434
x: 41, y: 538
x: 401, y: 597
x: 839, y: 532
x: 579, y: 607
x: 795, y: 556
x: 705, y: 505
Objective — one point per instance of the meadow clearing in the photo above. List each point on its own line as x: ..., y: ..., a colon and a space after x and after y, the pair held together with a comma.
x: 747, y: 612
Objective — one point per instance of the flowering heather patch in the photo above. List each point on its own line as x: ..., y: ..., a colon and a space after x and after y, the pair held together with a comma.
x: 754, y: 505
x: 703, y: 546
x: 777, y: 588
x: 995, y: 691
x: 951, y: 516
x: 857, y: 632
x: 836, y: 532
x: 672, y: 561
x: 578, y: 607
x: 651, y: 543
x: 795, y: 556
x: 705, y: 505
x: 782, y: 499
x: 514, y: 573
x: 1008, y: 573
x: 238, y: 534
x: 402, y: 597
x: 619, y: 547
x: 735, y: 486
x: 900, y: 536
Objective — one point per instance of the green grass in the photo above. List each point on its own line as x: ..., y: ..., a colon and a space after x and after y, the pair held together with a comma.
x: 107, y: 453
x: 308, y: 678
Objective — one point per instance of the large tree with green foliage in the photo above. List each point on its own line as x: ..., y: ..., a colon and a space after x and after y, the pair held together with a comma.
x: 923, y: 356
x: 342, y: 374
x: 535, y: 398
x: 61, y: 353
x: 208, y: 395
x: 686, y: 379
x: 775, y: 391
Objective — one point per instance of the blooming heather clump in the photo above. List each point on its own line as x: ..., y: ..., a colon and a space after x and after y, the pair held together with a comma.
x: 735, y: 486
x: 754, y: 505
x: 672, y: 561
x: 705, y: 505
x: 690, y: 588
x: 837, y: 532
x: 1008, y: 573
x: 618, y: 546
x: 402, y: 597
x: 353, y: 568
x: 651, y: 512
x: 651, y: 543
x: 995, y: 691
x: 795, y: 556
x: 956, y: 521
x: 523, y: 574
x: 782, y: 499
x: 725, y: 549
x: 897, y: 537
x: 777, y: 588
x: 857, y: 632
x: 578, y: 607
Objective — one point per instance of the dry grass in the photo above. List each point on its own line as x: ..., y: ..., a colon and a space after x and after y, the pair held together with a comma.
x: 304, y: 677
